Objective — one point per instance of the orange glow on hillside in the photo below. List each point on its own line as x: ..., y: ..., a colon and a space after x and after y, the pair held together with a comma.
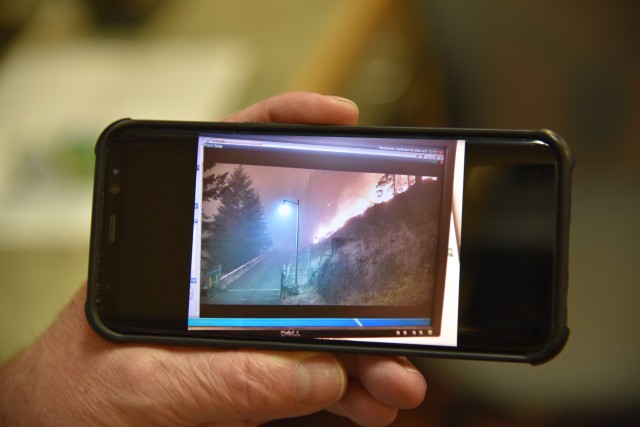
x: 380, y: 191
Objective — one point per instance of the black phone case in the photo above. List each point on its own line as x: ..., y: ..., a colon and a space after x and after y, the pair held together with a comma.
x: 559, y: 331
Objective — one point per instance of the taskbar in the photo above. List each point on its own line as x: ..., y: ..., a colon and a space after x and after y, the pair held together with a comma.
x: 313, y: 327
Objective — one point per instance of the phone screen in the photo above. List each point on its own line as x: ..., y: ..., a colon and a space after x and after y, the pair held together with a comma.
x: 327, y: 238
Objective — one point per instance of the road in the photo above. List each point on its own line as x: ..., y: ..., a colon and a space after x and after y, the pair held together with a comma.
x: 258, y: 286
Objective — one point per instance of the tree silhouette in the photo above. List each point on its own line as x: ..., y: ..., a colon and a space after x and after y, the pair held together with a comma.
x: 212, y: 187
x: 386, y: 181
x: 239, y: 231
x: 394, y: 184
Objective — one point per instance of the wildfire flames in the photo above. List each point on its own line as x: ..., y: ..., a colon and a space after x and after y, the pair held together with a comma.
x: 379, y: 190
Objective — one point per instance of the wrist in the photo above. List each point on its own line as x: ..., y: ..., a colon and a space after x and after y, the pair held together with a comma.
x: 14, y: 394
x: 44, y: 385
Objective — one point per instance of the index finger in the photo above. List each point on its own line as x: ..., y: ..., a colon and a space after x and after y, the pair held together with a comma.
x: 394, y: 381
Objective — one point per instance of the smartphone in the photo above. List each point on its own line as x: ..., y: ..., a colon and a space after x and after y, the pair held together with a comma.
x: 414, y: 241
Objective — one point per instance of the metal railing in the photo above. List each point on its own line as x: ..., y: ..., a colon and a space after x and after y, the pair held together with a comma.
x: 215, y: 281
x: 308, y: 264
x: 212, y: 281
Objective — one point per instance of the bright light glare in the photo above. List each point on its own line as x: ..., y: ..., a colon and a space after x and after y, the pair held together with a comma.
x: 284, y: 209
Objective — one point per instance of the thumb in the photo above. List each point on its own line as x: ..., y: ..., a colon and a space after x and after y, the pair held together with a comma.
x: 251, y: 384
x: 300, y: 107
x: 76, y: 378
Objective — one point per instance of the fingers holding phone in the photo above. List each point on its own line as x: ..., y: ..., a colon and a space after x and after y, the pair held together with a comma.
x: 300, y: 108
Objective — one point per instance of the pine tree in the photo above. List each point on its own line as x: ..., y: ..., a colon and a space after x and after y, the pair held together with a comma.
x: 239, y: 231
x: 213, y: 185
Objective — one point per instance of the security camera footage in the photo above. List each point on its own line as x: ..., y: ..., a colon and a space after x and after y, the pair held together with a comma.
x: 311, y: 237
x: 316, y: 251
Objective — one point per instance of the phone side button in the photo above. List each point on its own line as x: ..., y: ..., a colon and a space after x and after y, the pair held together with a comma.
x: 112, y: 228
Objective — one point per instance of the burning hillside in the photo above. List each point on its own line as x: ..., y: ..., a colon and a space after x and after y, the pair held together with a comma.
x: 381, y: 189
x: 386, y: 255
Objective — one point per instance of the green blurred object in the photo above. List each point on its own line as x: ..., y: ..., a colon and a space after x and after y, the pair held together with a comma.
x: 74, y: 159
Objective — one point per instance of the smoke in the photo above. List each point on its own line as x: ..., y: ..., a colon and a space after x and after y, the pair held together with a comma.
x: 327, y: 199
x: 339, y: 196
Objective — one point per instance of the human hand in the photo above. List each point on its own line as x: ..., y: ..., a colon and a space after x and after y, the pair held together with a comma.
x: 70, y: 376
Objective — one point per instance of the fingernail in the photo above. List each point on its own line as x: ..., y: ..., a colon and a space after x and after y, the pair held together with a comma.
x: 341, y: 99
x: 319, y: 380
x: 411, y: 368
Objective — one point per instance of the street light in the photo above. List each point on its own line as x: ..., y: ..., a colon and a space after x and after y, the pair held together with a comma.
x: 285, y: 209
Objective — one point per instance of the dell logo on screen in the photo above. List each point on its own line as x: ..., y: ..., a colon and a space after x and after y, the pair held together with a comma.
x: 290, y: 334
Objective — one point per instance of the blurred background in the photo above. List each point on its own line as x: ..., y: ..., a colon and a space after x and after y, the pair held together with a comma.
x: 70, y: 67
